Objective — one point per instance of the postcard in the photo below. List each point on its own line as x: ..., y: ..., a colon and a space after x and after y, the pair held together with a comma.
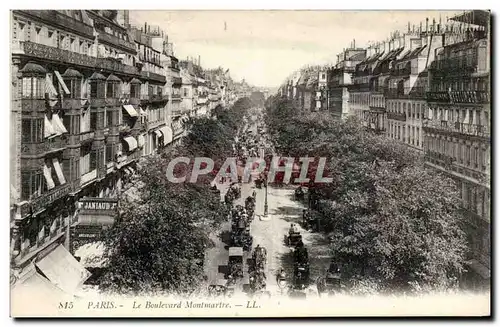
x: 261, y: 163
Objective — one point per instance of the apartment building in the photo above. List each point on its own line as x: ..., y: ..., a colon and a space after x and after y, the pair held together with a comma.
x: 457, y: 127
x: 339, y: 78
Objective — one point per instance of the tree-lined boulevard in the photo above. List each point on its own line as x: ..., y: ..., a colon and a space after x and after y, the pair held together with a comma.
x: 384, y: 223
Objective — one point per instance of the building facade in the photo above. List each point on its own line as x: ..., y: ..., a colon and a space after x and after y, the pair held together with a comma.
x: 457, y: 130
x: 339, y: 79
x: 89, y: 98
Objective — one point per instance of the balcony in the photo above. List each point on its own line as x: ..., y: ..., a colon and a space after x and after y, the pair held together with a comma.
x: 177, y: 81
x: 478, y: 97
x: 438, y: 97
x: 153, y: 76
x: 41, y: 149
x: 439, y: 159
x: 152, y: 60
x: 116, y: 41
x: 456, y: 127
x: 159, y: 98
x: 176, y: 96
x: 46, y: 199
x: 474, y: 97
x: 97, y: 102
x: 406, y: 93
x: 88, y: 177
x: 44, y: 52
x: 462, y: 65
x: 86, y: 136
x: 396, y: 116
x: 67, y: 23
x: 73, y: 103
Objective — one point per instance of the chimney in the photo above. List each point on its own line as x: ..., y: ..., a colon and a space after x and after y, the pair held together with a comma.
x: 387, y: 47
x: 145, y: 27
x: 427, y: 24
x: 199, y: 60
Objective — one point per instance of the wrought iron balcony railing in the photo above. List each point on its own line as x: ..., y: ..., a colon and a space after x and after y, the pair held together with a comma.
x: 457, y: 127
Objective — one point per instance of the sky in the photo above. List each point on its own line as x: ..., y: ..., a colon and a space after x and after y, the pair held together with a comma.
x: 265, y: 47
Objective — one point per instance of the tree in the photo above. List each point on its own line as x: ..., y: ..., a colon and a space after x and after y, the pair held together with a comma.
x: 160, y: 239
x: 390, y: 219
x: 158, y: 244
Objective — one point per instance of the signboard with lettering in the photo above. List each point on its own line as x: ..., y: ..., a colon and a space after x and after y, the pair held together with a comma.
x: 94, y: 216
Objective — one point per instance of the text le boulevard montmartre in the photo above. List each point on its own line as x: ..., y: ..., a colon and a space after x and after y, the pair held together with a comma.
x: 190, y: 305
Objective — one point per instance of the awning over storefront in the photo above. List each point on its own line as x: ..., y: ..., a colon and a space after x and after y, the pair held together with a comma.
x: 59, y: 173
x: 158, y: 133
x: 33, y: 287
x: 131, y: 142
x: 141, y: 141
x: 62, y: 269
x: 167, y: 134
x: 130, y: 110
x: 91, y: 254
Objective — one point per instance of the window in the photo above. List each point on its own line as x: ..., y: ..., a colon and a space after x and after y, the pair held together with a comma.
x: 110, y: 90
x: 475, y: 157
x: 185, y: 91
x: 32, y: 184
x: 85, y: 159
x: 22, y: 30
x: 32, y: 130
x: 33, y: 87
x: 109, y: 118
x: 51, y: 38
x: 467, y: 155
x: 93, y: 120
x: 109, y: 152
x: 134, y: 90
x: 74, y: 86
x: 93, y: 90
x: 93, y: 160
x: 85, y: 121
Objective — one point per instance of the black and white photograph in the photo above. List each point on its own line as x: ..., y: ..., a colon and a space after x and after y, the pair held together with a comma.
x: 250, y: 163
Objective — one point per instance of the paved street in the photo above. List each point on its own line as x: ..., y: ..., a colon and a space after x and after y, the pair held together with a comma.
x: 269, y: 232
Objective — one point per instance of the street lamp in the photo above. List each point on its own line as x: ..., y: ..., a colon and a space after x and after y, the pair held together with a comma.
x: 265, y: 199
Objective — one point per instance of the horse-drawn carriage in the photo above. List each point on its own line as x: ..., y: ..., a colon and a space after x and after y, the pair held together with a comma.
x: 299, y: 193
x: 259, y: 258
x: 301, y: 265
x: 220, y: 288
x: 257, y: 281
x: 250, y: 206
x: 240, y: 237
x: 235, y: 263
x: 332, y: 281
x: 293, y: 238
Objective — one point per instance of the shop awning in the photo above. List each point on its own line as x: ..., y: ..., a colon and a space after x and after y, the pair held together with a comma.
x: 62, y: 269
x: 58, y: 124
x: 61, y: 82
x: 59, y: 171
x: 141, y: 141
x: 31, y: 287
x: 158, y: 133
x: 167, y: 134
x: 91, y: 254
x: 48, y: 177
x: 130, y: 110
x: 131, y: 142
x: 48, y: 128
